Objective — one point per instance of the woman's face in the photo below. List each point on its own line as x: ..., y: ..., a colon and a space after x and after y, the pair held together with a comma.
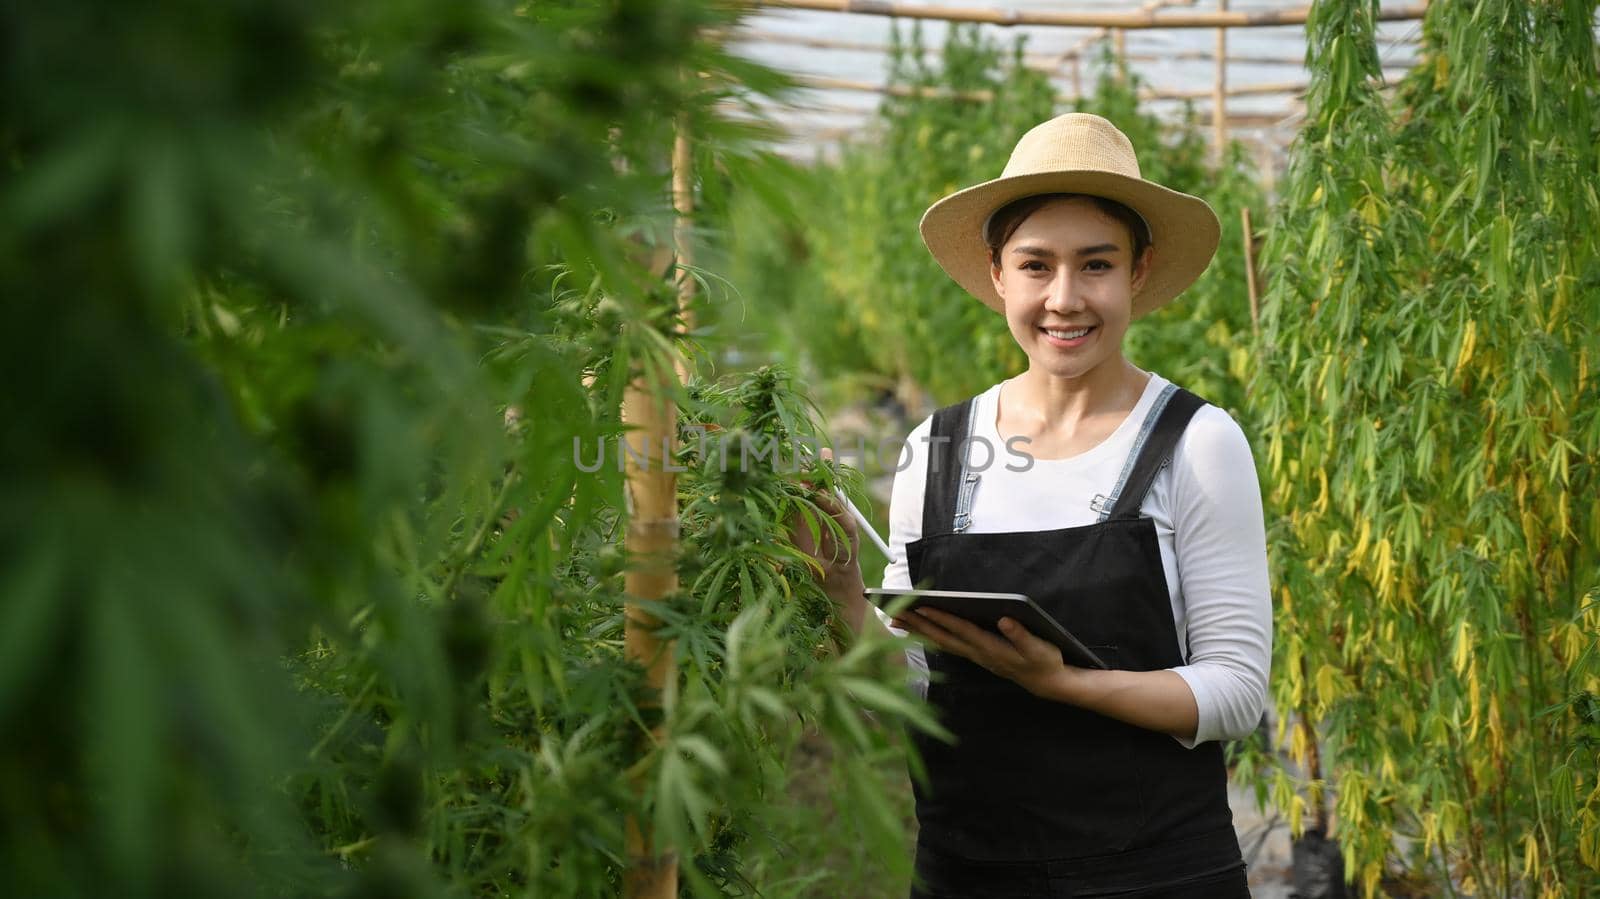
x: 1067, y: 278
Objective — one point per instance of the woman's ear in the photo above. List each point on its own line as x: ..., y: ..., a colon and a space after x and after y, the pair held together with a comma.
x: 994, y: 274
x: 1141, y: 268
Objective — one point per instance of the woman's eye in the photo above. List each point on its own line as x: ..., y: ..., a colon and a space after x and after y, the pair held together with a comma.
x: 1100, y: 262
x: 1033, y: 265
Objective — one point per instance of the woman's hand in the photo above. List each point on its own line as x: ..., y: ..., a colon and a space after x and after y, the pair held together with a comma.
x: 1155, y: 700
x: 838, y: 559
x: 1033, y: 663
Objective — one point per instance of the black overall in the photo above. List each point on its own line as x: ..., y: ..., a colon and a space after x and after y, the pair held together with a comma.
x: 1038, y: 798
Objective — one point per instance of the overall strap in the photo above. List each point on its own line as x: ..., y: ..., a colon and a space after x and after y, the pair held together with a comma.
x: 1152, y: 451
x: 947, y: 497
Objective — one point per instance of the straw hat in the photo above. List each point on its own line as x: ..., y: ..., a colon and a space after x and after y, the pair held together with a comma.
x: 1075, y: 153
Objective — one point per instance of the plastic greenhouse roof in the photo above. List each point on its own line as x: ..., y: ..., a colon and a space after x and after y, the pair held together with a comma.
x: 1168, y: 60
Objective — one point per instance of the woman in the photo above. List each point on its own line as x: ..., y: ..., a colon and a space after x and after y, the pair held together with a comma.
x: 1136, y: 522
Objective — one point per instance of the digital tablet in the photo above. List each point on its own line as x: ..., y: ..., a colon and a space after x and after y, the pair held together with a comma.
x: 986, y: 610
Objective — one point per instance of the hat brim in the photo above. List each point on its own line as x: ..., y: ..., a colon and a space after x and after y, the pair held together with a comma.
x: 1183, y: 229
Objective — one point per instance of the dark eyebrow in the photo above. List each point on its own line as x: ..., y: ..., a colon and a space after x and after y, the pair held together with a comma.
x: 1042, y: 253
x: 1098, y: 249
x: 1029, y: 250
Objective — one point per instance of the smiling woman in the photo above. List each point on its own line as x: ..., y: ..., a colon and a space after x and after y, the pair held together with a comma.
x: 1067, y: 273
x: 1137, y: 524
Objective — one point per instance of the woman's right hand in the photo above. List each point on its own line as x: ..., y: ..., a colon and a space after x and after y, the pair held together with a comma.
x: 838, y: 556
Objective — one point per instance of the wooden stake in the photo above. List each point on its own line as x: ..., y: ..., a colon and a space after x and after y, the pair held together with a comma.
x: 649, y: 409
x: 683, y: 231
x: 1250, y: 270
x: 1257, y: 18
x: 1219, y: 94
x: 652, y: 539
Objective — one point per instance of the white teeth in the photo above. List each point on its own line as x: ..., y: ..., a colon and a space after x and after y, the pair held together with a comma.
x: 1067, y: 335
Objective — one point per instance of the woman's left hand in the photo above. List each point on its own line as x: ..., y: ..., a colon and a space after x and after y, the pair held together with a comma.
x: 1017, y: 655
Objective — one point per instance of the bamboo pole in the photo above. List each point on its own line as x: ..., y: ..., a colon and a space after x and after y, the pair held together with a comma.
x: 683, y: 230
x: 1237, y: 120
x: 821, y: 133
x: 1250, y: 120
x: 1250, y: 270
x: 652, y: 539
x: 1075, y: 52
x: 1119, y: 44
x: 1219, y: 94
x: 824, y: 82
x: 649, y: 410
x: 1039, y: 61
x: 1259, y: 18
x: 1207, y: 56
x: 1265, y: 89
x: 805, y: 146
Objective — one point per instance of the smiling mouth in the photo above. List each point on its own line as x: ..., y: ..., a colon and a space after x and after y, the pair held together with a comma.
x: 1069, y: 333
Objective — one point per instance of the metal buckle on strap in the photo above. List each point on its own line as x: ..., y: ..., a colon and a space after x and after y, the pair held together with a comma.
x: 963, y: 518
x: 967, y: 479
x: 1150, y: 419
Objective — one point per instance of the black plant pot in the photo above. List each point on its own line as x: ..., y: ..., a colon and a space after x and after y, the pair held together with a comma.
x: 1318, y: 867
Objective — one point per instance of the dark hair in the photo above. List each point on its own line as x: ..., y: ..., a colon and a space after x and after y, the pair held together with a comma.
x: 1008, y: 218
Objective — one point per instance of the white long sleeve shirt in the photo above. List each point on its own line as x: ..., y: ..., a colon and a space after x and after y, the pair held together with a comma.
x: 1207, y: 511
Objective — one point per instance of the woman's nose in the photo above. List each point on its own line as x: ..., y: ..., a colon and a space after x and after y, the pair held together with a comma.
x: 1063, y: 295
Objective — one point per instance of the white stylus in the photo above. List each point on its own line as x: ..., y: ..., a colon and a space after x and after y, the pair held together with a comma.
x: 866, y: 526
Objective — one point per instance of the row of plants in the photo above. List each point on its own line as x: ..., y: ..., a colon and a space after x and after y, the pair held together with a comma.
x: 320, y: 315
x: 1428, y: 425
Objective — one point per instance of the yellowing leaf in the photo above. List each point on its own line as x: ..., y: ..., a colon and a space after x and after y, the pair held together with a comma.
x: 1385, y: 570
x: 1469, y: 341
x: 1472, y: 702
x: 1371, y: 872
x: 1327, y: 685
x: 1463, y: 648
